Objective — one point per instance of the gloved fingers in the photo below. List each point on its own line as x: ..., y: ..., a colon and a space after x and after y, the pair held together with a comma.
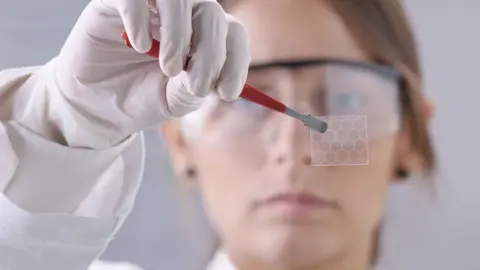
x: 152, y: 5
x: 175, y: 34
x: 208, y: 47
x: 135, y: 16
x: 178, y: 97
x: 156, y: 97
x: 234, y: 73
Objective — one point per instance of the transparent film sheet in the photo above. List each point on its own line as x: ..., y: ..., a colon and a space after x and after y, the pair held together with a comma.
x: 345, y: 143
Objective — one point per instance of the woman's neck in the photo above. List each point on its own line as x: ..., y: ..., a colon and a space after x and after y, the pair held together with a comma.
x: 356, y: 258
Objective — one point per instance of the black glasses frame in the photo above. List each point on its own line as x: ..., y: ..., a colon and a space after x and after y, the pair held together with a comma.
x: 382, y: 69
x: 387, y: 71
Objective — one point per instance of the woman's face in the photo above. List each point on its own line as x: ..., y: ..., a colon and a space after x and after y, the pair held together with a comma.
x: 262, y: 194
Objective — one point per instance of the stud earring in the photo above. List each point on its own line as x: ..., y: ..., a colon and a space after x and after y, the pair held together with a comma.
x: 190, y: 173
x: 402, y: 173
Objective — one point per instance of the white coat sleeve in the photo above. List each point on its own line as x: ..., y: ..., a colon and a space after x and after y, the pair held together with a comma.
x: 59, y: 206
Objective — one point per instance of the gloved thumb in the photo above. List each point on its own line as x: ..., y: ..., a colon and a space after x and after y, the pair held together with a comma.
x: 180, y: 100
x: 135, y: 16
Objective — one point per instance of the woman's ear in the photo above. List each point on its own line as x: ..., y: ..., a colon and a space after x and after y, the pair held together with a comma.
x: 429, y: 111
x: 178, y: 148
x: 402, y: 165
x: 408, y: 159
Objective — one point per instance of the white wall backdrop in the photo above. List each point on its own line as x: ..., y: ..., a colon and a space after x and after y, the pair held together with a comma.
x: 421, y: 233
x: 444, y: 233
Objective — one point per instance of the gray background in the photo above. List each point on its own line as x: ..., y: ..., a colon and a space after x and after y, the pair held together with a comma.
x: 421, y: 233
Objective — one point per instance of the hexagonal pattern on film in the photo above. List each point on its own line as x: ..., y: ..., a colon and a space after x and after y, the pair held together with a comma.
x: 344, y: 143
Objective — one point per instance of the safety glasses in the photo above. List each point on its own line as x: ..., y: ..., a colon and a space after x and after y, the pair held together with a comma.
x: 361, y: 102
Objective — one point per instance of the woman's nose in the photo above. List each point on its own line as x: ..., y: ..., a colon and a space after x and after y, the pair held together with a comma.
x: 291, y: 143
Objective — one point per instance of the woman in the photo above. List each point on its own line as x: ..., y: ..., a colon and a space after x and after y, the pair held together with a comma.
x: 72, y: 159
x: 270, y: 207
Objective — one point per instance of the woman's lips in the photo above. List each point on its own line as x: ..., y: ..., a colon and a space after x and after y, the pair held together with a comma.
x: 297, y: 204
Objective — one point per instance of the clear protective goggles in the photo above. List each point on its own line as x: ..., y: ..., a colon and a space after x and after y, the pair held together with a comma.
x: 361, y: 102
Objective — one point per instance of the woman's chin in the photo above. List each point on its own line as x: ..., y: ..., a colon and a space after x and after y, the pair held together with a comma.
x: 296, y: 246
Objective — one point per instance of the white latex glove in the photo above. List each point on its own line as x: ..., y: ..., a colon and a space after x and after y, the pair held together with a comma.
x: 114, y: 91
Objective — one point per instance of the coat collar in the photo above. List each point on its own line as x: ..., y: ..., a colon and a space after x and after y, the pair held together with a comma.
x: 220, y: 262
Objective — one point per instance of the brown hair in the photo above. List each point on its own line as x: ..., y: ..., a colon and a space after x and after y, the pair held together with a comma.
x: 382, y: 29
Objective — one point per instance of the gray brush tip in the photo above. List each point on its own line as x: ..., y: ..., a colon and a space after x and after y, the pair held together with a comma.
x: 315, y: 124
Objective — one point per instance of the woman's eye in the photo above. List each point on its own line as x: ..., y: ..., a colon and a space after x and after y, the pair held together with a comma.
x: 347, y: 102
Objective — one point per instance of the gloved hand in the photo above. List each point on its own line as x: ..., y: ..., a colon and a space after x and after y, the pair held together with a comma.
x: 114, y: 91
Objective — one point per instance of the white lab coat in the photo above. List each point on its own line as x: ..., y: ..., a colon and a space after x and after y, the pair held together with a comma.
x: 219, y: 262
x: 48, y: 240
x: 61, y: 241
x: 104, y: 265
